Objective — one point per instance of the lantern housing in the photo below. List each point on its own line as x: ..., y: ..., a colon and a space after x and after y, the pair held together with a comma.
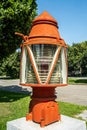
x: 43, y: 67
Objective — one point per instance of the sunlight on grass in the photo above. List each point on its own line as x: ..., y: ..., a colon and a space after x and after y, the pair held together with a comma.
x: 12, y: 106
x: 4, y: 109
x: 71, y: 109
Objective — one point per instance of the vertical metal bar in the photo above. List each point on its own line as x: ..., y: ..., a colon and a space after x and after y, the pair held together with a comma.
x: 33, y: 64
x: 66, y: 63
x: 55, y: 58
x: 21, y: 66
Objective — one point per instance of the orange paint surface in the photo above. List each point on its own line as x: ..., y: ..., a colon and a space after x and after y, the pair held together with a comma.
x: 43, y: 108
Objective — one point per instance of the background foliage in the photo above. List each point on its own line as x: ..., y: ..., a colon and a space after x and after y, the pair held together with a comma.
x: 77, y: 59
x: 11, y: 65
x: 15, y: 16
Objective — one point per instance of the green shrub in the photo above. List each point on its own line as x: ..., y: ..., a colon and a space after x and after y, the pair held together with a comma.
x: 10, y: 65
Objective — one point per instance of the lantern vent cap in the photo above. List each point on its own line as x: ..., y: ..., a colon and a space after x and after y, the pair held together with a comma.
x: 46, y: 17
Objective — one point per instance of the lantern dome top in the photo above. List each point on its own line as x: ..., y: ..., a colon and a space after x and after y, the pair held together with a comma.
x: 45, y: 16
x: 44, y: 31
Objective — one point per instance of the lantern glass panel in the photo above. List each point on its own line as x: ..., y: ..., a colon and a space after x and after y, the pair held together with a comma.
x: 59, y: 75
x: 43, y: 56
x: 29, y: 72
x: 56, y: 77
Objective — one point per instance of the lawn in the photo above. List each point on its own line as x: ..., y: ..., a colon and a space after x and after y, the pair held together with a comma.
x: 15, y: 105
x: 12, y: 106
x: 77, y: 80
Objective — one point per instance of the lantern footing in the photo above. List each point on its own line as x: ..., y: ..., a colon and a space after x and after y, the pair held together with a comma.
x: 66, y: 123
x: 44, y: 113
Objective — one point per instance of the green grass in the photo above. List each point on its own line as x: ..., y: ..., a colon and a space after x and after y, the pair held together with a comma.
x: 71, y: 109
x: 77, y: 81
x: 15, y: 105
x: 12, y: 106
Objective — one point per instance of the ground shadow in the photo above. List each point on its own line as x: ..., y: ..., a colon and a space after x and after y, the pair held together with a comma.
x: 81, y: 81
x: 13, y: 93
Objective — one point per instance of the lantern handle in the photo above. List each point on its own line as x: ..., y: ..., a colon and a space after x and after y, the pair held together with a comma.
x: 24, y: 37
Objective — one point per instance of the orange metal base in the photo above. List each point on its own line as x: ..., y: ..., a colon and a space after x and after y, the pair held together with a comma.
x: 44, y: 113
x: 43, y: 110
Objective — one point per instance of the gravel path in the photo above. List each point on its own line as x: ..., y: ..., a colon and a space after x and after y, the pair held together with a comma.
x: 76, y: 94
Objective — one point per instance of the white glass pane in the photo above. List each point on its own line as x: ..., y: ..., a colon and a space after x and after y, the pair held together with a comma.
x: 29, y: 72
x: 56, y: 77
x: 43, y: 54
x: 23, y: 65
x: 64, y: 67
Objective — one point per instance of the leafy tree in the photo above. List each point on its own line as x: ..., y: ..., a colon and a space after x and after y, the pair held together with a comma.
x: 77, y: 58
x: 84, y: 60
x: 15, y: 15
x: 11, y: 65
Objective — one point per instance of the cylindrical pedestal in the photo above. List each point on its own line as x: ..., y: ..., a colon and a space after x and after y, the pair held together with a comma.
x: 43, y: 109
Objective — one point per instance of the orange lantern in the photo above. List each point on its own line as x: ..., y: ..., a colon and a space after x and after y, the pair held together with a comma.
x: 43, y: 67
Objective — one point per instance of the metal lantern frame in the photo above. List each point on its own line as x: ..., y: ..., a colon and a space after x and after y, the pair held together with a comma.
x: 43, y: 67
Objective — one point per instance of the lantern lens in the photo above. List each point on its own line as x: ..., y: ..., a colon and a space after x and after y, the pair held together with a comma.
x: 43, y: 54
x: 45, y: 63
